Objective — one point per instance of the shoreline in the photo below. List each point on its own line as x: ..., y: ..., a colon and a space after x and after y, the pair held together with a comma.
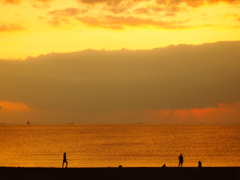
x: 125, y: 173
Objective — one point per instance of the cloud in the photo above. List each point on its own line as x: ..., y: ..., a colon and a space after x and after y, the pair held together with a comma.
x: 122, y: 21
x: 170, y: 14
x: 117, y: 2
x: 35, y: 3
x: 18, y: 1
x: 175, y: 77
x: 196, y: 3
x: 118, y: 8
x: 11, y: 1
x: 65, y: 12
x: 142, y: 11
x: 121, y: 14
x: 44, y: 0
x: 62, y: 17
x: 188, y: 2
x: 9, y: 27
x: 135, y: 21
x: 59, y: 21
x: 100, y: 1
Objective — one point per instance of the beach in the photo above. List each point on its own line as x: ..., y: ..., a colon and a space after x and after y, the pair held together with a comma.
x: 149, y: 173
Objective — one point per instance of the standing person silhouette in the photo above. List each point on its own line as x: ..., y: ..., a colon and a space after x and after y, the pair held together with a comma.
x: 64, y: 159
x: 199, y: 164
x: 180, y: 158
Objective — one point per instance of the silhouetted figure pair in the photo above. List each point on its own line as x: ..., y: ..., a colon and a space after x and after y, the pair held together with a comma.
x: 64, y: 160
x: 180, y: 158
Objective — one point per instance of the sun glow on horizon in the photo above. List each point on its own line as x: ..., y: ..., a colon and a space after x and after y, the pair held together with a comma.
x: 205, y: 115
x: 168, y: 116
x: 13, y: 106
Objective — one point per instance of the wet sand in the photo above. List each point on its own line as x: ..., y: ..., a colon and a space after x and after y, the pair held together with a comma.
x: 171, y: 173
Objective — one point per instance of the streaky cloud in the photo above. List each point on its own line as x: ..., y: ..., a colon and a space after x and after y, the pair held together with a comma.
x: 117, y: 2
x: 188, y: 2
x: 9, y: 27
x: 19, y: 1
x: 129, y: 21
x: 65, y: 12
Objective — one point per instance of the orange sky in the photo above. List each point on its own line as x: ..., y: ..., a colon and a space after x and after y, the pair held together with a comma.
x: 40, y: 89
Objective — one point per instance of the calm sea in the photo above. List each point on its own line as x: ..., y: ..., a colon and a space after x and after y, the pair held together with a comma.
x: 114, y: 145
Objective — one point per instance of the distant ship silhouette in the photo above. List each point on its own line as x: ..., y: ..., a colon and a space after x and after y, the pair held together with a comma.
x: 28, y: 122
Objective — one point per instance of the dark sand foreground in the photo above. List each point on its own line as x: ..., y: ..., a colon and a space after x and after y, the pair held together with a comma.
x: 9, y: 173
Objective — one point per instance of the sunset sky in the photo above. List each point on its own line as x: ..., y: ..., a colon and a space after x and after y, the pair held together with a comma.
x: 117, y: 61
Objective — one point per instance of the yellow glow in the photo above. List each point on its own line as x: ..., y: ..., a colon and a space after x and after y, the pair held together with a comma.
x: 25, y: 28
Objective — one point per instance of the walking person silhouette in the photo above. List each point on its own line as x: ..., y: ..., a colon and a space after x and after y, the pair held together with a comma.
x: 64, y: 160
x: 180, y: 158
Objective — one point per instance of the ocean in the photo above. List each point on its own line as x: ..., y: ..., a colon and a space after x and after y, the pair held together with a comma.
x: 137, y: 145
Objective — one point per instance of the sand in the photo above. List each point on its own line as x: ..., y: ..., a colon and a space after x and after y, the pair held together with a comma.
x: 125, y: 173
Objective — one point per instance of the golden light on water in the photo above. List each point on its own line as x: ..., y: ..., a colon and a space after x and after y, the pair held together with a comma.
x: 113, y: 145
x: 140, y: 60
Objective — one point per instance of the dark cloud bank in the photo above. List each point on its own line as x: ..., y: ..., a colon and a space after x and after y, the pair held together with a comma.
x: 174, y: 77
